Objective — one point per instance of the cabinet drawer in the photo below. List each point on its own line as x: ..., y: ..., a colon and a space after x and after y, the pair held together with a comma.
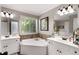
x: 56, y: 48
x: 53, y: 48
x: 10, y: 45
x: 64, y: 49
x: 53, y: 51
x: 74, y: 51
x: 9, y: 41
x: 13, y: 48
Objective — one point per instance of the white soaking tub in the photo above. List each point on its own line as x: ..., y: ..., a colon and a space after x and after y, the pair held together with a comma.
x: 34, y: 47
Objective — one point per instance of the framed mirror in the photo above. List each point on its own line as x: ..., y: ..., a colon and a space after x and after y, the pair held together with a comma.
x: 5, y: 26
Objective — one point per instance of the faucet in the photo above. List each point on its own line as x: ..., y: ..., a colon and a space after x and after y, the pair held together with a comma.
x: 76, y: 36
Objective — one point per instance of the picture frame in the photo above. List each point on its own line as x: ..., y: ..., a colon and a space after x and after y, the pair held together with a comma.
x: 44, y: 24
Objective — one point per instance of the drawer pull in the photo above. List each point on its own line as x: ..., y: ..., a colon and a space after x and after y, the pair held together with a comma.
x: 5, y: 46
x: 58, y: 50
x: 75, y: 51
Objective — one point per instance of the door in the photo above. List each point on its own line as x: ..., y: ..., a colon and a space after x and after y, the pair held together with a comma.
x: 13, y: 46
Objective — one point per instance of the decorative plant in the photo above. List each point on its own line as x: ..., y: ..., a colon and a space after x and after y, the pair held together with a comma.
x: 56, y: 28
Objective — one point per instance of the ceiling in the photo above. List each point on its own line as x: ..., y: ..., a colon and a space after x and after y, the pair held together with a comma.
x: 34, y: 9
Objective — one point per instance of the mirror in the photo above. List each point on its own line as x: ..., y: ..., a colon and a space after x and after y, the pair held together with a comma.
x: 4, y: 27
x: 64, y: 27
x: 65, y: 24
x: 14, y: 27
x: 9, y: 27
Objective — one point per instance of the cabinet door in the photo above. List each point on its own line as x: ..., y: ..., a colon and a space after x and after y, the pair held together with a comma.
x: 56, y: 48
x: 53, y: 48
x: 74, y: 51
x: 64, y: 49
x: 13, y: 47
x: 69, y: 50
x: 10, y: 45
x: 4, y: 45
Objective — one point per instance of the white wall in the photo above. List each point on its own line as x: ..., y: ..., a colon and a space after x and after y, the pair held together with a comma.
x: 51, y: 14
x: 52, y: 17
x: 51, y: 23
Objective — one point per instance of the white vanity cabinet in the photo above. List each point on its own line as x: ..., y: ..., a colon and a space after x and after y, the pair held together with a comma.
x: 58, y: 48
x: 10, y: 45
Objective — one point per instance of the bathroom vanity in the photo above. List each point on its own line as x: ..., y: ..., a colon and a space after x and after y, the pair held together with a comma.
x: 10, y: 44
x: 9, y: 35
x: 57, y: 46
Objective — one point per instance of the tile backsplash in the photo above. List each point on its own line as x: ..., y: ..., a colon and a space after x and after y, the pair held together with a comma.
x: 44, y: 36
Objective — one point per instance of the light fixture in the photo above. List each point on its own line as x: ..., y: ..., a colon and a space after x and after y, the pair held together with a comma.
x: 2, y: 14
x: 70, y: 9
x: 65, y: 10
x: 6, y: 14
x: 61, y: 14
x: 11, y: 15
x: 58, y: 12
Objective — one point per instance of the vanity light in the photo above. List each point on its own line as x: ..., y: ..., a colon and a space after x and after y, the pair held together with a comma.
x: 12, y: 15
x: 6, y: 14
x: 60, y: 12
x: 65, y: 10
x: 2, y: 14
x: 70, y: 9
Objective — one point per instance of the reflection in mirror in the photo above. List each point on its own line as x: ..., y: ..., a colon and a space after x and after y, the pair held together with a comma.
x: 4, y: 27
x: 62, y: 27
x: 65, y: 25
x: 9, y: 27
x: 14, y: 27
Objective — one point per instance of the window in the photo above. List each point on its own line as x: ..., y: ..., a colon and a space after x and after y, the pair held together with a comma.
x: 28, y: 25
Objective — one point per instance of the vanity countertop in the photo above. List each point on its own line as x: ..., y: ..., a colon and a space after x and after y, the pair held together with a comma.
x: 10, y: 37
x: 59, y: 39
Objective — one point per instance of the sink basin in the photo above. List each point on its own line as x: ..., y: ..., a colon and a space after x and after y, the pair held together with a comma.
x: 64, y: 38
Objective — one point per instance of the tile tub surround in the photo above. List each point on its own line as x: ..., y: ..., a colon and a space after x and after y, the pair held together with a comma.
x: 44, y: 36
x: 22, y: 37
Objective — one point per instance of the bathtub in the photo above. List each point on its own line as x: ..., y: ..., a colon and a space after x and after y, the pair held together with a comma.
x: 34, y: 47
